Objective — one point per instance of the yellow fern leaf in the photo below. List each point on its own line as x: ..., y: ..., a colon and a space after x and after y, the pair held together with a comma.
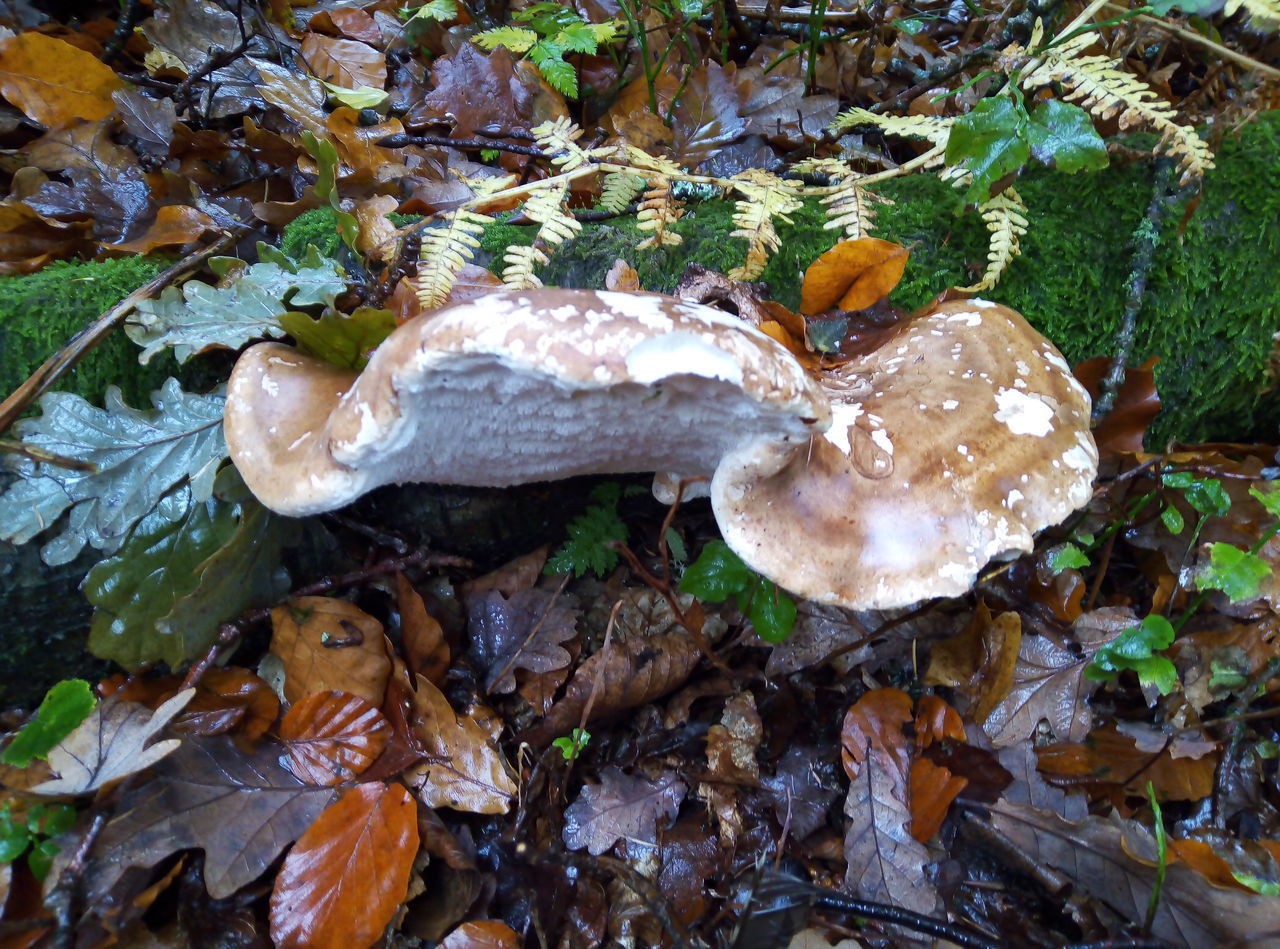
x: 764, y: 198
x: 932, y: 127
x: 445, y: 250
x: 618, y: 190
x: 1106, y: 90
x: 1005, y: 217
x: 546, y: 207
x: 520, y: 261
x: 641, y: 159
x: 559, y: 139
x: 658, y: 211
x: 1265, y: 13
x: 851, y: 205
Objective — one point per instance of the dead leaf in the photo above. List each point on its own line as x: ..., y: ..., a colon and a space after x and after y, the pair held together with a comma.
x: 329, y: 645
x: 473, y: 91
x: 112, y: 743
x: 421, y: 637
x: 936, y: 722
x: 357, y: 144
x: 1137, y: 404
x: 241, y: 808
x: 297, y: 95
x: 464, y: 768
x: 53, y: 82
x: 348, y: 874
x: 175, y: 225
x: 482, y: 934
x: 378, y: 238
x: 621, y: 807
x: 519, y: 573
x: 347, y: 63
x: 330, y: 737
x: 350, y: 22
x: 1109, y: 757
x: 733, y: 743
x: 802, y: 788
x: 873, y: 729
x: 231, y: 698
x: 933, y: 788
x: 852, y: 275
x: 1049, y: 682
x: 622, y: 277
x: 522, y: 631
x: 706, y: 115
x: 980, y: 661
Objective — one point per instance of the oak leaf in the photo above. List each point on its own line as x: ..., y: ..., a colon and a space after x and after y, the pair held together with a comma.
x: 330, y: 737
x: 621, y: 806
x: 520, y: 631
x: 349, y: 873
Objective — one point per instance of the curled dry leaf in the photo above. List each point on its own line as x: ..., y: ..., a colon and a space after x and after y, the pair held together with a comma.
x: 464, y: 768
x: 53, y: 82
x: 621, y: 806
x: 112, y: 743
x: 347, y: 875
x: 1049, y: 682
x: 852, y: 275
x: 482, y: 934
x: 933, y: 788
x: 329, y: 645
x: 425, y: 650
x: 980, y: 661
x: 330, y: 737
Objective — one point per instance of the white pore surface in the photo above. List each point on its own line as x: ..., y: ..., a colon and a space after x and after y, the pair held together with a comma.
x: 478, y: 421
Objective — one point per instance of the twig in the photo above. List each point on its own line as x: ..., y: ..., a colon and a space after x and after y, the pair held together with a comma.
x: 1190, y: 36
x: 65, y: 898
x: 1147, y: 241
x: 40, y: 456
x: 57, y: 365
x: 400, y: 140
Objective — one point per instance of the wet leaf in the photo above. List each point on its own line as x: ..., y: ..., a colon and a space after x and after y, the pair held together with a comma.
x: 348, y: 874
x: 933, y: 788
x: 1134, y: 649
x: 347, y: 63
x: 1061, y: 134
x: 113, y: 742
x: 980, y: 662
x: 328, y: 645
x: 53, y: 82
x: 297, y: 95
x: 1237, y: 573
x: 520, y: 631
x: 482, y: 934
x: 464, y: 768
x: 1110, y: 757
x: 422, y: 639
x: 873, y: 730
x: 474, y: 91
x: 852, y: 275
x: 331, y: 737
x: 990, y: 141
x: 621, y: 806
x: 63, y: 708
x: 706, y: 115
x: 175, y: 224
x: 342, y: 339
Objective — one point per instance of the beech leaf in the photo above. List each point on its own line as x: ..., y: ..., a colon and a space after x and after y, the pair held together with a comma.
x: 54, y: 82
x: 331, y: 737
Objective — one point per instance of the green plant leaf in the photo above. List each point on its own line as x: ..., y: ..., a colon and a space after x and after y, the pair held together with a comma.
x: 1172, y: 519
x: 1269, y: 499
x: 139, y: 456
x: 326, y: 156
x: 363, y: 97
x: 1237, y: 573
x: 64, y: 707
x: 577, y: 37
x: 989, y: 142
x: 1066, y: 557
x: 1206, y: 495
x: 1062, y: 135
x: 772, y: 612
x: 512, y: 37
x: 588, y: 533
x: 186, y: 569
x: 433, y: 10
x: 338, y: 338
x: 1135, y: 649
x: 14, y: 836
x: 716, y: 575
x: 559, y: 74
x: 200, y: 316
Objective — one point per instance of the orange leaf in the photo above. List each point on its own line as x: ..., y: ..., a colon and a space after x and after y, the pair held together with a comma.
x: 328, y: 644
x: 853, y: 275
x: 175, y: 224
x: 482, y: 934
x: 425, y: 649
x: 347, y: 875
x: 331, y: 737
x: 873, y: 728
x: 53, y: 82
x: 347, y: 63
x: 937, y: 721
x: 933, y: 788
x: 980, y: 661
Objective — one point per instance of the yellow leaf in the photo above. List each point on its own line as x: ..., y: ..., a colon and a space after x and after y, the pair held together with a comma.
x: 853, y: 275
x: 53, y: 82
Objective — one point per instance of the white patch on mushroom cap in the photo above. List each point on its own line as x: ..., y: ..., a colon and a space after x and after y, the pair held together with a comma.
x: 1024, y: 414
x: 843, y: 415
x: 681, y: 353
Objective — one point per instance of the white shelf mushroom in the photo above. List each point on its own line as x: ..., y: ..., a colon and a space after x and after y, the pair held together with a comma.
x: 951, y: 445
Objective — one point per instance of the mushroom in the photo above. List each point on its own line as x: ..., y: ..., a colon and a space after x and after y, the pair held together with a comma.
x: 950, y: 446
x: 521, y: 386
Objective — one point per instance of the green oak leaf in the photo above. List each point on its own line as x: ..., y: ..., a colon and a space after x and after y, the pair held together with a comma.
x: 339, y: 338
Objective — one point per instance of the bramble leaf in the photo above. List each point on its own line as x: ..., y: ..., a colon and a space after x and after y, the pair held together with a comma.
x: 139, y: 455
x: 1063, y: 135
x: 989, y: 141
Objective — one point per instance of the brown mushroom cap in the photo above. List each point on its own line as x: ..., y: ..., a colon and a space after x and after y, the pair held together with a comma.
x: 950, y: 445
x: 520, y: 386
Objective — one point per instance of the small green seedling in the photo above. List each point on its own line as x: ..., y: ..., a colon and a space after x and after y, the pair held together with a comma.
x: 1135, y: 649
x: 571, y: 745
x: 719, y: 573
x: 589, y: 533
x: 31, y: 834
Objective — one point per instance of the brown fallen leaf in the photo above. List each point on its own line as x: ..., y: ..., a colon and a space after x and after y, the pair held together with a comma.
x: 53, y: 82
x: 1108, y: 756
x: 522, y: 631
x: 464, y: 768
x: 620, y: 807
x: 330, y: 737
x: 347, y: 63
x: 421, y: 637
x: 113, y: 742
x: 852, y: 275
x: 175, y: 224
x: 933, y: 788
x: 980, y: 661
x: 348, y: 874
x: 329, y: 645
x: 227, y: 699
x: 482, y: 934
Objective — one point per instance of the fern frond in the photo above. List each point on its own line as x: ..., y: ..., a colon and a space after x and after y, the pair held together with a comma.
x: 936, y: 129
x: 445, y: 251
x: 546, y: 206
x: 1106, y: 91
x: 559, y: 139
x: 1005, y: 217
x: 640, y: 159
x: 765, y: 197
x: 514, y: 38
x: 659, y: 209
x: 618, y: 190
x: 851, y: 205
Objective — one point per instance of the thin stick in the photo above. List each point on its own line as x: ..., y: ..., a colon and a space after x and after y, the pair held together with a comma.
x: 57, y: 365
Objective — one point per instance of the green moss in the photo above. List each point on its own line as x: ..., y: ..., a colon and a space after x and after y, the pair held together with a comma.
x: 318, y: 226
x: 41, y: 312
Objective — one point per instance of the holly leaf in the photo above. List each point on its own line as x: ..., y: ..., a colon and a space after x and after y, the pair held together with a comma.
x: 136, y: 457
x: 200, y: 316
x: 1237, y: 573
x: 1062, y: 134
x: 989, y: 141
x: 349, y: 873
x: 64, y: 707
x: 112, y: 743
x: 621, y: 806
